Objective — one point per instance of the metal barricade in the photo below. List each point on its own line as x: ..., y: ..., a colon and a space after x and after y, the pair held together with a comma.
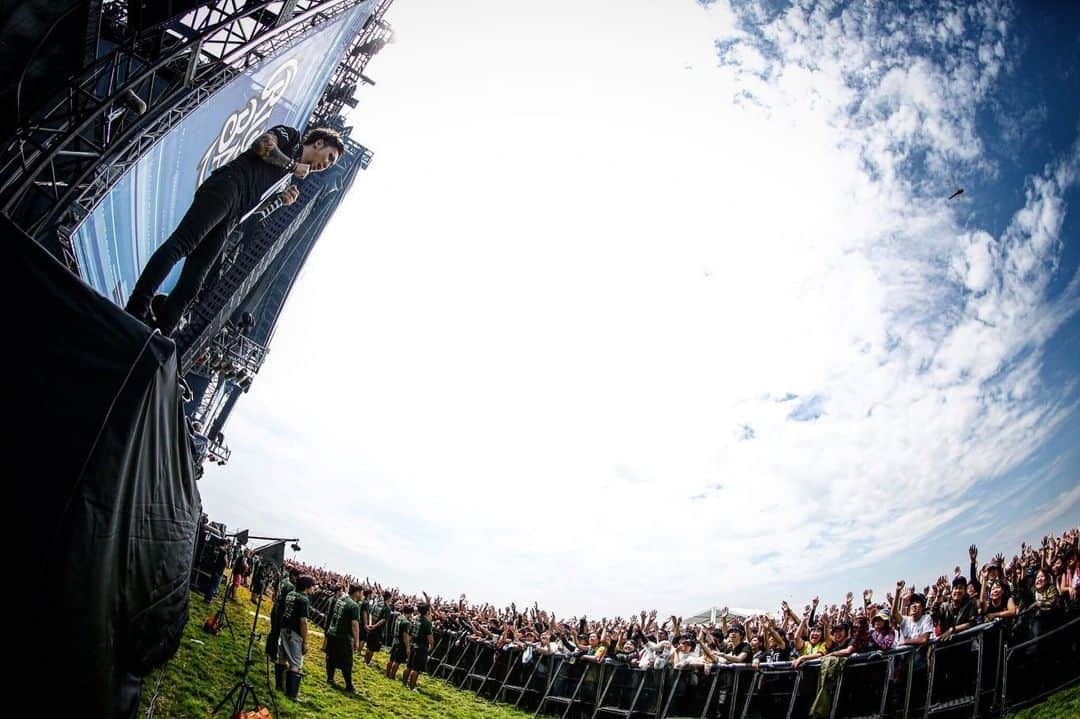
x: 773, y: 692
x: 455, y: 652
x: 465, y: 663
x: 958, y: 670
x: 438, y: 652
x: 564, y: 686
x: 517, y: 674
x: 869, y: 686
x: 982, y: 671
x: 629, y: 692
x: 503, y: 660
x: 480, y: 669
x: 731, y: 691
x: 537, y: 677
x: 1047, y: 662
x: 688, y: 692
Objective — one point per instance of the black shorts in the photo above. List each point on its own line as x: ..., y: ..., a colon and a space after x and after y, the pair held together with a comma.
x: 339, y: 652
x: 418, y: 659
x: 374, y: 642
x: 397, y: 654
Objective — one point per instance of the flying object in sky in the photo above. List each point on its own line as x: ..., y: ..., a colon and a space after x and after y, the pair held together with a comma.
x: 959, y: 191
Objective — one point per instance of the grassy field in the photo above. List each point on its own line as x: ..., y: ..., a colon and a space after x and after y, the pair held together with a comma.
x: 1063, y: 705
x: 206, y: 667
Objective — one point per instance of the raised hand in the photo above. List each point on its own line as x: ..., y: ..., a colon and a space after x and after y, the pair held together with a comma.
x: 973, y: 552
x: 867, y: 595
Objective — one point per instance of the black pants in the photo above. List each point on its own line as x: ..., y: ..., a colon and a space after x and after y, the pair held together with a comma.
x: 339, y: 656
x: 199, y: 237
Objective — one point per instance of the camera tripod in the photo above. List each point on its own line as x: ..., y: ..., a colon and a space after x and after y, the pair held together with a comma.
x: 221, y: 617
x: 243, y: 688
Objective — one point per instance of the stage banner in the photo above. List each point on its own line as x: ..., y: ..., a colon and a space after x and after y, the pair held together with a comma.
x: 118, y: 237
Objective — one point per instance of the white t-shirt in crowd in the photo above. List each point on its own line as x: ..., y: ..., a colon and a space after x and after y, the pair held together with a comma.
x: 910, y: 629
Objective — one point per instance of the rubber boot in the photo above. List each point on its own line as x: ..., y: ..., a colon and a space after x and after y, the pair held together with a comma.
x: 279, y: 676
x: 292, y: 685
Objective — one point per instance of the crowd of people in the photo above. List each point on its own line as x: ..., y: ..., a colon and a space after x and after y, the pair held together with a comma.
x: 1041, y: 584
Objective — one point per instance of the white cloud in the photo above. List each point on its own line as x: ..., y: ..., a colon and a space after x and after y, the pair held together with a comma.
x: 522, y: 359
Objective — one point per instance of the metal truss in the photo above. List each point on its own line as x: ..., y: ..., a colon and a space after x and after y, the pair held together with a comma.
x: 231, y: 353
x: 349, y: 74
x: 66, y: 158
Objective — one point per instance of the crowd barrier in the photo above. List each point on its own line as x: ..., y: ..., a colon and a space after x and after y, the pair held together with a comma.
x: 982, y: 672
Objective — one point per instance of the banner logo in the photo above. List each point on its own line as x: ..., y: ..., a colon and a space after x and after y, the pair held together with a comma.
x: 244, y: 125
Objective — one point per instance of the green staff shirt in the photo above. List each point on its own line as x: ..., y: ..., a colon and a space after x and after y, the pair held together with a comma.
x: 345, y: 611
x: 401, y: 628
x: 296, y: 608
x: 421, y: 631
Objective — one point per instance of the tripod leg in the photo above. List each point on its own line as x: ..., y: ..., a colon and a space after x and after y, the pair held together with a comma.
x: 273, y: 699
x: 226, y: 698
x: 254, y: 697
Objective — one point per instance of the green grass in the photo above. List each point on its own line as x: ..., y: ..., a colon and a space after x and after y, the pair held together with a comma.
x: 1065, y: 704
x: 205, y: 667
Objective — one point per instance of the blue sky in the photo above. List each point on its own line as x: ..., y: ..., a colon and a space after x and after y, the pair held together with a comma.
x: 663, y: 304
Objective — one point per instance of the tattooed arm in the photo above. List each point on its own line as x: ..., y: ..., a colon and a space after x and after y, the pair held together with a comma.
x: 266, y: 148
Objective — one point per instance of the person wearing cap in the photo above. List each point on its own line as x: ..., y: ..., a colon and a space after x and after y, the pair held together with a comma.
x: 881, y: 636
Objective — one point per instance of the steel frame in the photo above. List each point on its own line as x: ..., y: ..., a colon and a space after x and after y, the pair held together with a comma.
x: 350, y: 72
x: 66, y: 158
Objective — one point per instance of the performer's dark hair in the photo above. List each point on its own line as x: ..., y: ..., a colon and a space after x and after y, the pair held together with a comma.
x: 328, y: 136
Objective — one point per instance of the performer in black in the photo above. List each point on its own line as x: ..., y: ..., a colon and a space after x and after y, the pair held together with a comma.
x: 218, y: 205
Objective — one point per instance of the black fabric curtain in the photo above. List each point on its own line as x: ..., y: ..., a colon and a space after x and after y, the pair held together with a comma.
x: 106, y: 482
